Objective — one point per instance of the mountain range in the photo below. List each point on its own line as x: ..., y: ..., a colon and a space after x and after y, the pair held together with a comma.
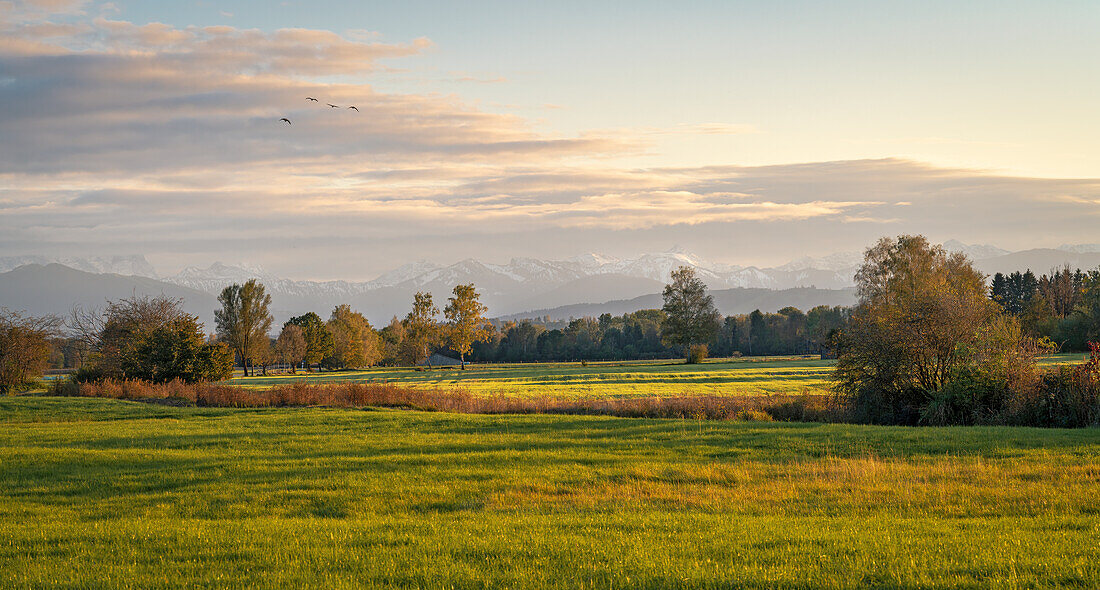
x: 524, y: 287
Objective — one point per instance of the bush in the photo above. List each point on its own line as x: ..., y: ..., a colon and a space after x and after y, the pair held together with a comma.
x: 755, y: 416
x: 24, y: 349
x: 1065, y: 397
x: 697, y: 353
x: 975, y: 395
x: 149, y: 339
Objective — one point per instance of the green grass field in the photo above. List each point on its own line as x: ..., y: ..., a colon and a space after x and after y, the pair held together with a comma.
x: 749, y: 376
x: 106, y: 493
x: 604, y: 379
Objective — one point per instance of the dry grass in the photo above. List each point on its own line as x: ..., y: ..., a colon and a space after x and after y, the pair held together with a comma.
x: 802, y: 408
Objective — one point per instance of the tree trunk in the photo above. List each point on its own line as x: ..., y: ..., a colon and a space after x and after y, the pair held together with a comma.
x: 462, y: 361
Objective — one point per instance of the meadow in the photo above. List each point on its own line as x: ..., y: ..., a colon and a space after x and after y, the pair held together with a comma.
x: 120, y: 494
x: 594, y: 379
x: 112, y: 493
x: 618, y: 379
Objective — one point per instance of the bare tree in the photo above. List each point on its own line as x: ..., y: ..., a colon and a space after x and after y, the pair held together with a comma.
x: 24, y: 347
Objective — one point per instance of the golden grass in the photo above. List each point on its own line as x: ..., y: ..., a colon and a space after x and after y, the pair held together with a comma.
x: 388, y: 395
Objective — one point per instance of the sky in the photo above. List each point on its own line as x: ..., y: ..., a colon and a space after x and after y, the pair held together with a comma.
x: 746, y: 132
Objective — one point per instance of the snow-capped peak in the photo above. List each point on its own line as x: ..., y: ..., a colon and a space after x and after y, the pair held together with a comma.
x: 974, y: 251
x: 404, y: 273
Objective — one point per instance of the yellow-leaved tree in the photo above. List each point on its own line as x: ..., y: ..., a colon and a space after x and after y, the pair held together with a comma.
x: 465, y: 321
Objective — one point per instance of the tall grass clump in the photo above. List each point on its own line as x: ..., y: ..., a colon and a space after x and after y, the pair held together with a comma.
x: 805, y: 407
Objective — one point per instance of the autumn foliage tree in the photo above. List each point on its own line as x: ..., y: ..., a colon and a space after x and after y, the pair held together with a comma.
x: 243, y: 320
x: 24, y: 347
x: 421, y: 330
x: 318, y: 339
x: 290, y: 347
x: 922, y: 317
x: 465, y: 321
x: 355, y: 343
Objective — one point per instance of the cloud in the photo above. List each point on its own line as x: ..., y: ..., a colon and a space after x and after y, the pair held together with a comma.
x: 161, y: 99
x: 167, y: 141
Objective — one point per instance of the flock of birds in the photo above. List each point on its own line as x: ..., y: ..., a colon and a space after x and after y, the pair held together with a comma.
x: 310, y: 98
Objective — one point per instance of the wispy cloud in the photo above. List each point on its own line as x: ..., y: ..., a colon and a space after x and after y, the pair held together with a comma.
x: 161, y: 138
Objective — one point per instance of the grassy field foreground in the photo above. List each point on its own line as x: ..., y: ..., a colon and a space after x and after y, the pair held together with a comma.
x: 107, y: 493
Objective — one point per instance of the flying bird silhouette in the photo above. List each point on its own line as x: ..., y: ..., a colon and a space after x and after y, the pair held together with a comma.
x: 353, y: 107
x: 332, y: 105
x: 311, y: 98
x: 287, y: 121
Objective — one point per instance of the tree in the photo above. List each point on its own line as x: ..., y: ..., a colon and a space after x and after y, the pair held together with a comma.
x: 466, y: 321
x: 392, y: 342
x: 244, y: 321
x: 1061, y: 290
x: 24, y: 347
x: 421, y: 330
x: 998, y: 290
x: 176, y: 350
x: 920, y: 311
x: 290, y: 347
x: 319, y: 341
x: 823, y: 325
x: 1088, y: 308
x: 264, y: 355
x: 355, y: 343
x: 692, y: 318
x: 151, y: 339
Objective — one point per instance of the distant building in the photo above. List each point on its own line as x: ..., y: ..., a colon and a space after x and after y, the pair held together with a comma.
x: 439, y: 360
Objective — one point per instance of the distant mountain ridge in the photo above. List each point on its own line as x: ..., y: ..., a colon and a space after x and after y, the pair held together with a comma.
x: 41, y: 289
x: 728, y: 301
x: 133, y: 265
x: 526, y: 285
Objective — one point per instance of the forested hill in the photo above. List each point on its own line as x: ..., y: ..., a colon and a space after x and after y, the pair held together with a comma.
x: 728, y: 302
x: 39, y: 289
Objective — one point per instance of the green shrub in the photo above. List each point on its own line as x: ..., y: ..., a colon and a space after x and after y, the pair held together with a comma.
x: 697, y: 353
x: 1065, y: 397
x: 974, y: 395
x: 755, y: 416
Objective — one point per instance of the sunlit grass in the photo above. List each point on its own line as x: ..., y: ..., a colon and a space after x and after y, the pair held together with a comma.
x: 607, y: 379
x: 110, y: 493
x: 749, y: 376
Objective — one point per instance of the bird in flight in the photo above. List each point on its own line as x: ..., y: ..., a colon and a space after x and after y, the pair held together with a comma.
x: 287, y: 121
x: 332, y: 105
x: 353, y: 107
x: 311, y: 98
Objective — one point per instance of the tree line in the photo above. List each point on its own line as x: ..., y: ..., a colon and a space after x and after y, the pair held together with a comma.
x: 152, y: 338
x: 1063, y: 306
x: 643, y: 335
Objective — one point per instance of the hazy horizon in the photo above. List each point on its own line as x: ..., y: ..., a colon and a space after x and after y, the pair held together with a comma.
x: 444, y: 262
x: 747, y: 133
